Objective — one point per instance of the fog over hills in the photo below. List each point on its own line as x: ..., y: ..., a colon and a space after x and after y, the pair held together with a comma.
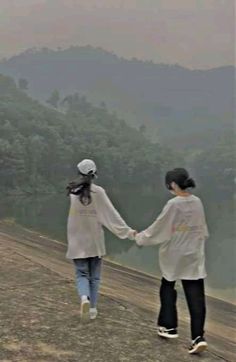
x: 171, y: 101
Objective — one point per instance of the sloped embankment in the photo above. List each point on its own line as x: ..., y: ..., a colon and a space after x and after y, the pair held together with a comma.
x: 40, y: 314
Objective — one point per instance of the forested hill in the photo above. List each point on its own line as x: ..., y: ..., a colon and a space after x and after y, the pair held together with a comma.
x: 40, y: 147
x: 176, y: 105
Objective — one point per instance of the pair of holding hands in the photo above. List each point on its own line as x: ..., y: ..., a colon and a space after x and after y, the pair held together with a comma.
x: 135, y: 233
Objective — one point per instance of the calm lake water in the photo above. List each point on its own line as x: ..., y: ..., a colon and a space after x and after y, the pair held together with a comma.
x: 48, y: 215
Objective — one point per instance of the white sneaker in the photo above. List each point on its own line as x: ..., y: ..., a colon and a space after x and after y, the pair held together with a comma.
x: 85, y: 306
x: 167, y: 333
x: 198, y: 345
x: 93, y: 312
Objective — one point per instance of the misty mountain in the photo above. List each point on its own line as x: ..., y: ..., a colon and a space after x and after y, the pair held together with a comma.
x: 183, y: 107
x: 39, y: 146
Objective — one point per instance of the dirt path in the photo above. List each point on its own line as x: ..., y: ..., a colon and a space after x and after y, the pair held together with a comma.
x: 127, y: 286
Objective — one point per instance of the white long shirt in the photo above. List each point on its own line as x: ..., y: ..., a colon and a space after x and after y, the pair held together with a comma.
x: 85, y: 233
x: 181, y: 230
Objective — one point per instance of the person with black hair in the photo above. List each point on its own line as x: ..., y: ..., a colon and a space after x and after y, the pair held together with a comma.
x: 90, y: 210
x: 181, y: 230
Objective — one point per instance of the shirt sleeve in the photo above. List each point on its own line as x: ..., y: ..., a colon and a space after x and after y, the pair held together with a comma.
x: 161, y: 230
x: 111, y: 219
x: 205, y: 227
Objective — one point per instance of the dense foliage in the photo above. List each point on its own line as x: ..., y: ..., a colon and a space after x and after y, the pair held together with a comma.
x: 40, y: 146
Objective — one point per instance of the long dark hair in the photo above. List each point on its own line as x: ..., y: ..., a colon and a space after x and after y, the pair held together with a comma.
x: 82, y: 189
x: 181, y: 177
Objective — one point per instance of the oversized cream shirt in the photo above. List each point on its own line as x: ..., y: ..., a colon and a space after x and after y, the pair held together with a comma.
x: 181, y: 230
x: 85, y: 233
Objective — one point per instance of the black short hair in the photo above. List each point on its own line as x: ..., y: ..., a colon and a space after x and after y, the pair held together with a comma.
x: 181, y: 177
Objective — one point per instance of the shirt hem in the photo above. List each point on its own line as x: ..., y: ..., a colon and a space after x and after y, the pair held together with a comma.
x: 85, y: 257
x: 184, y: 277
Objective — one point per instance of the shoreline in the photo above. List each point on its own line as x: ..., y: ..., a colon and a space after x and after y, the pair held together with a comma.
x: 47, y: 325
x: 210, y: 292
x: 213, y: 291
x: 122, y: 285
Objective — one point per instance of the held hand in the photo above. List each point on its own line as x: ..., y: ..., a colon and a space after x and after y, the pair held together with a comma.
x: 135, y: 233
x: 139, y: 246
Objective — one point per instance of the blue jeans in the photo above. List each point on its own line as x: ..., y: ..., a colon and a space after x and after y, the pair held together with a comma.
x: 88, y: 272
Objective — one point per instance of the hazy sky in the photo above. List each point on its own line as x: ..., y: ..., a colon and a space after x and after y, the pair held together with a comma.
x: 193, y: 33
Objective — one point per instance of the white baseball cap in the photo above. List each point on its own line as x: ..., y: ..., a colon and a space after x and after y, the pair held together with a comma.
x: 87, y: 167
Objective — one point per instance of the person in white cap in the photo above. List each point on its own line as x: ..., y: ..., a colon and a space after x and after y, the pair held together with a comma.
x: 90, y: 210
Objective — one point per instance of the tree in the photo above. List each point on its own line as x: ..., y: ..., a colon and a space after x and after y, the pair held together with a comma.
x: 143, y: 129
x: 216, y: 170
x: 76, y: 103
x: 39, y: 146
x: 54, y: 98
x: 71, y: 102
x: 103, y: 105
x: 23, y: 84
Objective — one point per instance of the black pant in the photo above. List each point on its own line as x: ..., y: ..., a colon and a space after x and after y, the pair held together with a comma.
x: 195, y: 296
